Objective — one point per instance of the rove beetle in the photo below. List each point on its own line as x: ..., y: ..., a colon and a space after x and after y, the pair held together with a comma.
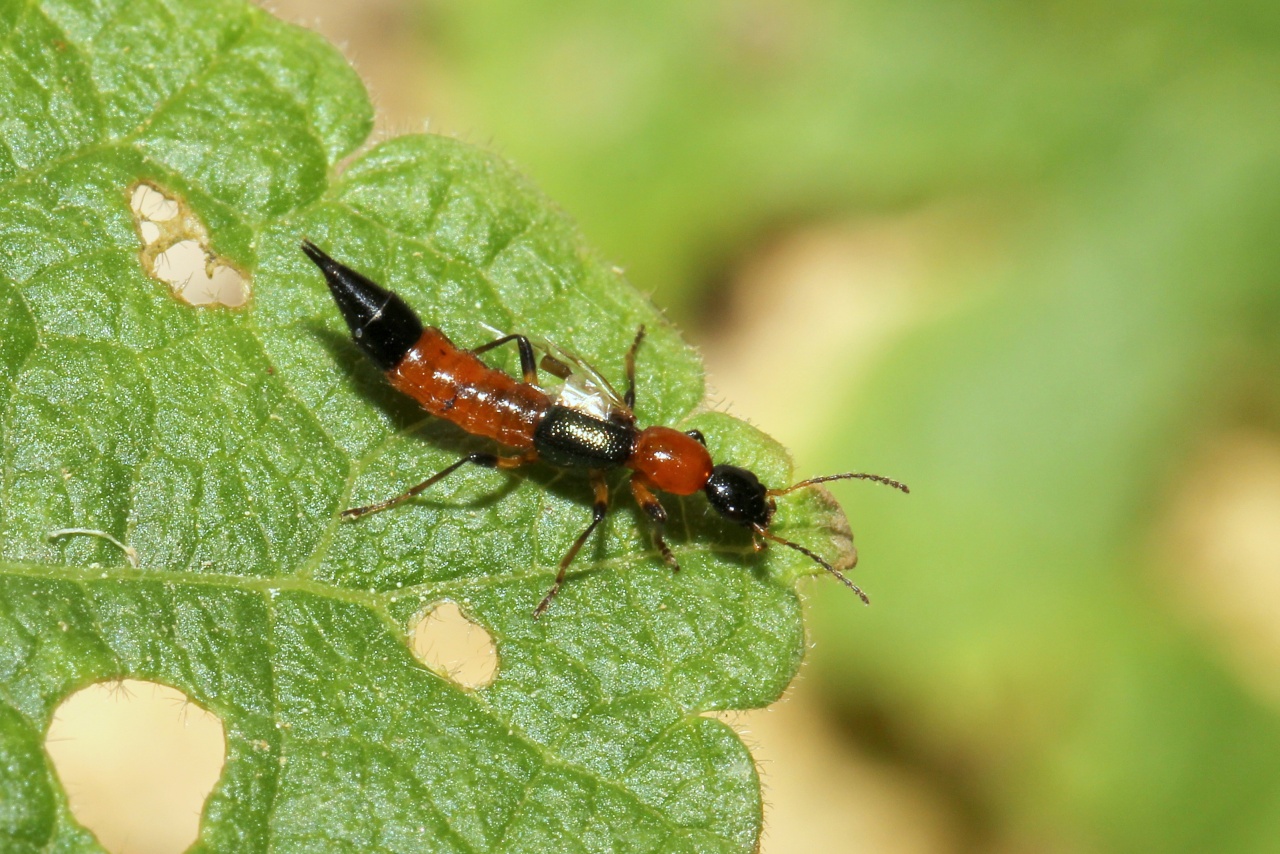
x: 590, y: 430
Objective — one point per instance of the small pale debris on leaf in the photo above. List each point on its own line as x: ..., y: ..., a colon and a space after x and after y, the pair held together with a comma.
x: 130, y: 553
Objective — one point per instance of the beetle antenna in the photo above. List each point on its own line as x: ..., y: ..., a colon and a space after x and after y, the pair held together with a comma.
x: 878, y: 478
x: 764, y: 532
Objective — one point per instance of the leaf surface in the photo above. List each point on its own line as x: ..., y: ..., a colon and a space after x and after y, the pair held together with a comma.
x: 221, y: 445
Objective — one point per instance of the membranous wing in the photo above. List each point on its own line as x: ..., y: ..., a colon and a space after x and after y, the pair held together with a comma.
x: 574, y: 383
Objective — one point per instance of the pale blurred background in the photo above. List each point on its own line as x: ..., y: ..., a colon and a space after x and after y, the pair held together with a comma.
x: 1023, y: 256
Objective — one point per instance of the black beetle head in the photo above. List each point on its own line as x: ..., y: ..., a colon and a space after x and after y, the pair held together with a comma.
x: 739, y: 496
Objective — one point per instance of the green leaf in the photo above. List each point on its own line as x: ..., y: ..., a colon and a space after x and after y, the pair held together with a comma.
x: 221, y: 444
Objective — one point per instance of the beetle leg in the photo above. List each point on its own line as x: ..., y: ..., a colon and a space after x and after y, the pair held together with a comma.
x: 481, y: 459
x: 598, y: 509
x: 630, y: 397
x: 528, y: 366
x: 657, y: 514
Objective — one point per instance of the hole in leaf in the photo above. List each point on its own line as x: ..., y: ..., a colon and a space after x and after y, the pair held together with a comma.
x: 137, y: 760
x: 453, y: 646
x: 175, y: 250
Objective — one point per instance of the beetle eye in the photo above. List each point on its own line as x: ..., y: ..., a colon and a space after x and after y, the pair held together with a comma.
x: 697, y: 436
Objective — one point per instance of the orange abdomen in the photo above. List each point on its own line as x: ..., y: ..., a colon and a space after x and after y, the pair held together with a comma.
x: 455, y: 385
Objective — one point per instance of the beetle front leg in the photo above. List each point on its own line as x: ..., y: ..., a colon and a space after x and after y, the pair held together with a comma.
x: 657, y: 514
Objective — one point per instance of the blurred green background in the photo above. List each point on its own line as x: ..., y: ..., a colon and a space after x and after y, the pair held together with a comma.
x: 1023, y: 256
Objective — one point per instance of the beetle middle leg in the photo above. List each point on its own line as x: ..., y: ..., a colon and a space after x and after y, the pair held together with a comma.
x: 492, y: 461
x: 657, y: 514
x: 598, y: 509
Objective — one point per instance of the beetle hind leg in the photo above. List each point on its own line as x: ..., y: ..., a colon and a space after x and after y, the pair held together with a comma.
x: 481, y: 459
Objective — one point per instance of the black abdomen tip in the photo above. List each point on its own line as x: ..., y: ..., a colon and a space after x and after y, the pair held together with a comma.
x: 381, y: 324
